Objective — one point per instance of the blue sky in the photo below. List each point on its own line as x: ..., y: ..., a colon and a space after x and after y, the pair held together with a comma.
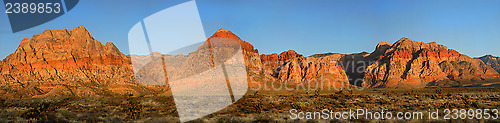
x: 309, y: 27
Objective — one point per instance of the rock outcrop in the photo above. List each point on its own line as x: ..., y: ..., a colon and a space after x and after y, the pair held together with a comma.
x: 298, y: 72
x: 411, y: 64
x: 491, y: 61
x: 282, y: 57
x: 66, y: 62
x: 316, y: 72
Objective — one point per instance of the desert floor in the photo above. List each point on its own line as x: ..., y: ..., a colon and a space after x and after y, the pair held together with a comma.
x: 256, y: 106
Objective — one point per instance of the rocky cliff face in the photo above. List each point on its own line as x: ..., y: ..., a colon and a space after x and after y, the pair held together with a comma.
x: 66, y: 62
x: 288, y: 68
x: 322, y: 72
x: 298, y: 72
x: 411, y: 64
x: 491, y: 61
x: 73, y: 63
x: 271, y: 64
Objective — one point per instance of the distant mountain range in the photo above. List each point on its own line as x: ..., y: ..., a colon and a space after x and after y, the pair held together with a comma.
x: 492, y: 61
x: 73, y: 63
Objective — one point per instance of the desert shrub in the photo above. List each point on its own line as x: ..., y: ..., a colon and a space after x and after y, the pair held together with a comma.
x: 341, y: 95
x: 222, y: 119
x: 133, y: 108
x: 296, y: 105
x: 38, y: 110
x: 386, y: 93
x: 2, y: 102
x: 340, y: 92
x: 382, y: 102
x: 468, y: 103
x: 475, y: 104
x: 32, y: 113
x: 448, y: 105
x: 311, y: 121
x: 439, y: 91
x: 449, y: 95
x: 435, y: 96
x: 258, y: 106
x: 316, y: 93
x: 256, y: 94
x: 465, y: 98
x: 264, y: 119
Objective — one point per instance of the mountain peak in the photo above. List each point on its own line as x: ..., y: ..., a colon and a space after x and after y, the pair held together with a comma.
x: 223, y: 33
x: 289, y: 52
x: 488, y: 56
x: 408, y: 44
x: 384, y: 44
x: 61, y: 44
x: 80, y: 27
x: 77, y: 29
x: 221, y: 30
x: 404, y: 39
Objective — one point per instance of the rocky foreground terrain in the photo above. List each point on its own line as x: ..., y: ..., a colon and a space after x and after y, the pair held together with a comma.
x: 255, y: 106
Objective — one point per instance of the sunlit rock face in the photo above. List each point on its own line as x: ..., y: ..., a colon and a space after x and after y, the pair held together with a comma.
x: 66, y: 62
x: 412, y: 64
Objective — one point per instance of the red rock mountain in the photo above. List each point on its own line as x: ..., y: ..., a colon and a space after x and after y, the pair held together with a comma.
x: 66, y: 62
x: 289, y: 67
x: 412, y: 64
x: 197, y: 67
x: 72, y: 62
